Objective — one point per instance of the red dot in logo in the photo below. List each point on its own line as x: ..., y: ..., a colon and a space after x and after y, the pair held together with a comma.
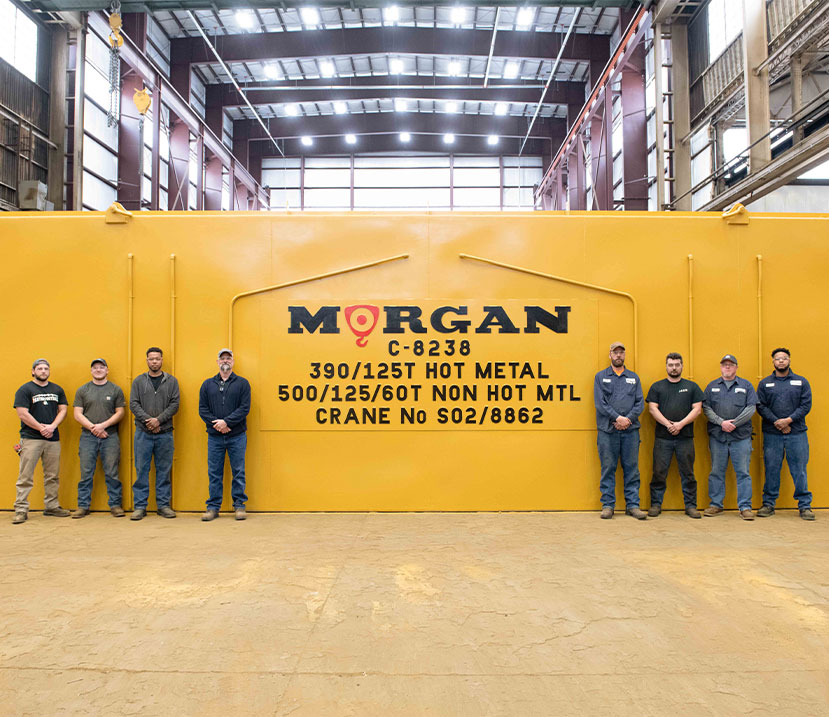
x: 361, y: 319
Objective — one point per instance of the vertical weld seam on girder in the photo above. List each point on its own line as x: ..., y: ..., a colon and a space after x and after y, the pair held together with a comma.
x: 759, y: 316
x: 574, y: 282
x: 173, y: 314
x: 690, y: 316
x: 130, y: 312
x: 304, y: 280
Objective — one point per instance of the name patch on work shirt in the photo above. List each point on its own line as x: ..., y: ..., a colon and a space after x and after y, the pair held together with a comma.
x: 739, y: 390
x: 630, y: 380
x: 683, y: 390
x: 797, y: 383
x: 715, y: 390
x: 606, y: 380
x: 769, y: 385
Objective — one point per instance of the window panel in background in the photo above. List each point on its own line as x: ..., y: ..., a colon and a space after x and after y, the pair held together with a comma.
x: 18, y: 39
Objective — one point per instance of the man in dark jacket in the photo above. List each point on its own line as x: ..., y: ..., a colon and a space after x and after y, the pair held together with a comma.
x: 154, y: 400
x: 224, y: 403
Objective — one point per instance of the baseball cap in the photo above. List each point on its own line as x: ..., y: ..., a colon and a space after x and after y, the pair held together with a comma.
x: 39, y: 361
x: 616, y: 345
x: 225, y: 351
x: 729, y: 357
x: 99, y: 360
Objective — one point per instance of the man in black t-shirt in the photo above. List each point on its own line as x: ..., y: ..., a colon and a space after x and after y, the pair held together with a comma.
x: 41, y: 406
x: 674, y: 403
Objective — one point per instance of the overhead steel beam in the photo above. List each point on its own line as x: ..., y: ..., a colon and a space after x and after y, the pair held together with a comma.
x: 438, y: 124
x: 560, y: 93
x: 383, y: 40
x: 156, y: 5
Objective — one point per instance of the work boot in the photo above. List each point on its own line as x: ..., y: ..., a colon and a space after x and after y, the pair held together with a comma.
x: 765, y: 511
x: 747, y: 514
x: 637, y: 513
x: 240, y: 513
x: 607, y: 513
x: 138, y: 514
x: 692, y: 512
x: 654, y: 510
x: 57, y: 512
x: 210, y: 514
x: 80, y: 512
x: 117, y: 511
x: 20, y: 518
x: 165, y: 511
x: 712, y: 510
x: 807, y: 514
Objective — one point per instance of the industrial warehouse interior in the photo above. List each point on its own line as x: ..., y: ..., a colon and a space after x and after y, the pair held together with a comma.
x: 350, y: 344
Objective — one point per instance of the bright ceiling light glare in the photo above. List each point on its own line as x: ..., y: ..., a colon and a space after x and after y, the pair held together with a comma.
x: 511, y: 70
x: 501, y: 108
x: 454, y: 68
x: 405, y: 136
x: 458, y: 15
x: 244, y: 18
x: 396, y: 66
x: 400, y: 105
x: 391, y: 14
x: 451, y: 107
x: 525, y: 17
x: 306, y: 141
x: 271, y: 71
x: 291, y: 110
x: 340, y: 108
x: 350, y: 139
x: 327, y: 68
x: 492, y: 139
x: 310, y: 16
x: 448, y: 139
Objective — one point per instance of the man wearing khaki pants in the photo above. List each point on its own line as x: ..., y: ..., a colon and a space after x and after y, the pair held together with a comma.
x: 41, y: 406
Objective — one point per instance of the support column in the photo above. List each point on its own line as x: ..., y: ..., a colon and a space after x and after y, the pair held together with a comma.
x: 129, y: 143
x: 659, y: 96
x: 178, y: 183
x: 155, y: 157
x: 213, y: 184
x: 213, y: 112
x: 635, y: 133
x: 758, y: 113
x: 598, y: 158
x: 797, y: 93
x: 57, y: 116
x: 77, y: 128
x: 681, y: 87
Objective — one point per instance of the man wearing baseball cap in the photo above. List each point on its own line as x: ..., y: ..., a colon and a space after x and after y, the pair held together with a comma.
x: 729, y: 403
x: 41, y: 407
x: 224, y: 403
x: 99, y: 406
x: 617, y: 393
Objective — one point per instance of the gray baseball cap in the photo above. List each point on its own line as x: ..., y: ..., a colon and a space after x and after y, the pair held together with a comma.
x: 729, y: 357
x: 38, y: 362
x: 98, y: 360
x: 225, y: 351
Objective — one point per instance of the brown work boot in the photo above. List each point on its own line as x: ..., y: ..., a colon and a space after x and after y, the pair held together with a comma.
x: 117, y: 511
x: 765, y: 511
x: 747, y: 514
x: 80, y: 512
x: 607, y: 513
x: 654, y: 510
x: 138, y: 514
x: 165, y: 511
x: 210, y: 514
x: 20, y: 517
x: 57, y: 512
x: 712, y: 510
x: 637, y: 513
x: 807, y: 514
x: 241, y: 514
x: 692, y: 512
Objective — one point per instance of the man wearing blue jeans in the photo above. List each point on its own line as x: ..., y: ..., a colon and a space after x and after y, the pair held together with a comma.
x: 99, y: 407
x: 784, y: 399
x: 154, y: 400
x: 224, y: 403
x: 729, y: 403
x: 617, y: 393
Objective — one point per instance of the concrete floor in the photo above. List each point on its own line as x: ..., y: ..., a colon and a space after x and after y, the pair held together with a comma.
x: 415, y: 614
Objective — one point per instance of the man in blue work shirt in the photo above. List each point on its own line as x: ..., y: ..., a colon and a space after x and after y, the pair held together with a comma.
x: 224, y: 403
x: 784, y: 399
x: 617, y: 393
x: 729, y: 403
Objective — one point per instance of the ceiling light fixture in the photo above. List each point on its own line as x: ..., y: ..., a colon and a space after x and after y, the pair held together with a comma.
x: 511, y: 70
x: 400, y: 105
x: 291, y: 110
x: 448, y: 139
x: 492, y: 139
x: 451, y: 107
x: 244, y: 18
x: 391, y: 14
x: 340, y: 108
x: 310, y: 16
x: 405, y: 136
x: 454, y: 68
x: 307, y: 141
x: 271, y: 70
x: 396, y: 66
x: 327, y: 68
x: 525, y: 17
x: 458, y: 15
x: 501, y: 108
x: 350, y: 139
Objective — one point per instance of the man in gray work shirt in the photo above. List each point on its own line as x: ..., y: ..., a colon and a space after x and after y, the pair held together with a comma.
x: 728, y: 405
x: 154, y: 400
